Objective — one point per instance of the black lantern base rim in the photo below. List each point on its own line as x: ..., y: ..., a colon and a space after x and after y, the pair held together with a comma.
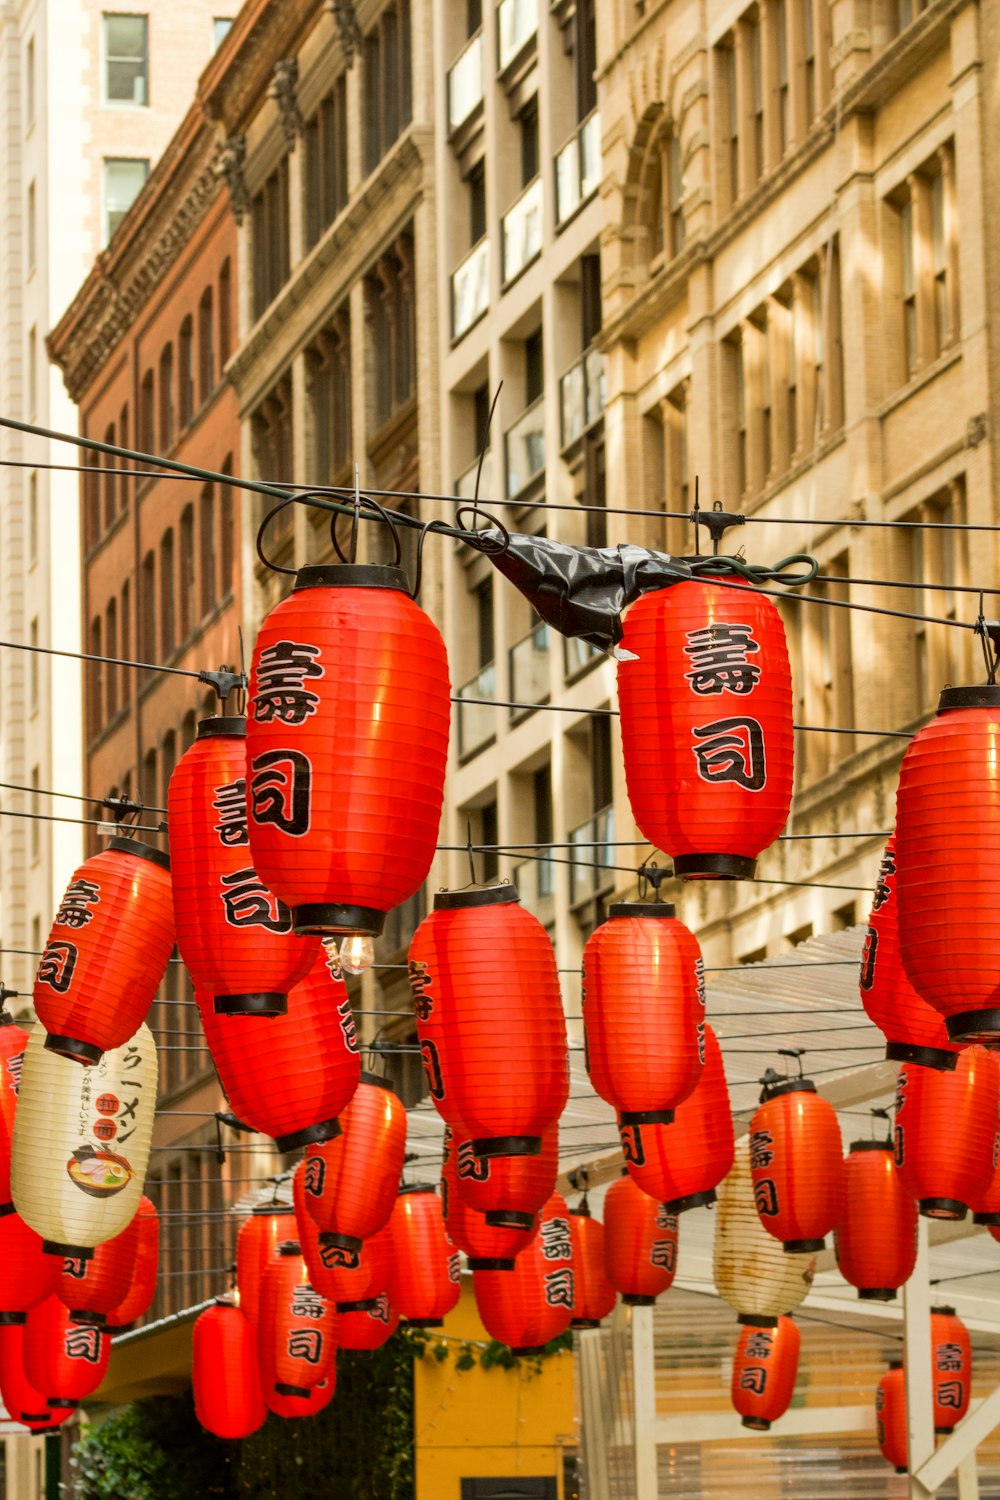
x: 527, y: 1349
x: 507, y: 1145
x: 7, y: 1209
x: 312, y: 1135
x: 974, y: 1025
x: 901, y: 1471
x: 490, y: 1263
x: 787, y: 1086
x: 377, y: 1081
x: 301, y: 1391
x: 350, y: 576
x: 803, y: 1247
x: 714, y: 866
x: 331, y: 1238
x: 581, y: 1323
x: 120, y: 1328
x: 487, y: 895
x: 943, y: 1208
x: 878, y: 1293
x: 856, y: 1146
x: 364, y: 1304
x: 39, y: 1417
x: 62, y: 1403
x: 68, y: 1252
x: 265, y: 1003
x: 924, y: 1057
x: 646, y: 1117
x: 508, y: 1218
x: 641, y: 909
x: 87, y: 1319
x: 704, y: 1199
x: 72, y: 1047
x: 756, y: 1320
x: 13, y: 1319
x: 990, y: 1219
x: 422, y: 1322
x: 944, y: 1431
x: 758, y: 1424
x: 330, y: 919
x: 638, y: 1299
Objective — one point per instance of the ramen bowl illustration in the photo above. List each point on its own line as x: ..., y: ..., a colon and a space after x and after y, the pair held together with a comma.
x: 99, y: 1173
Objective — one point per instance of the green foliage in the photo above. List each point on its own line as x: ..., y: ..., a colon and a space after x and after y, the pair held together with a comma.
x: 153, y: 1450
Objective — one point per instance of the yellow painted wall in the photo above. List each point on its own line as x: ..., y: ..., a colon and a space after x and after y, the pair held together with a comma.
x: 488, y: 1423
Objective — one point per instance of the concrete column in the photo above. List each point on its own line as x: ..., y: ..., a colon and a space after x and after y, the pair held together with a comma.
x: 644, y: 1404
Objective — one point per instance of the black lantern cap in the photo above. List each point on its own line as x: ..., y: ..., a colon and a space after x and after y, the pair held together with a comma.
x: 141, y: 851
x: 487, y: 895
x: 222, y: 724
x: 350, y: 576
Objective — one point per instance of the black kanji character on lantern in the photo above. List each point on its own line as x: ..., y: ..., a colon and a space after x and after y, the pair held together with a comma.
x: 57, y: 965
x: 230, y: 802
x: 454, y: 1269
x: 75, y: 910
x: 663, y: 1253
x: 337, y: 1258
x: 75, y: 1268
x: 15, y: 1066
x: 307, y: 1302
x: 665, y: 1219
x: 759, y: 1345
x: 869, y: 957
x: 420, y: 983
x: 633, y: 1147
x: 761, y: 1154
x: 249, y: 903
x: 948, y: 1357
x: 699, y: 981
x: 733, y: 750
x: 949, y: 1393
x: 83, y: 1343
x: 281, y: 790
x: 718, y: 655
x: 307, y: 1344
x: 559, y: 1288
x: 380, y: 1312
x: 883, y: 890
x: 281, y: 692
x: 432, y: 1067
x: 765, y: 1196
x: 753, y: 1378
x: 555, y: 1239
x: 348, y: 1026
x: 470, y: 1167
x: 314, y: 1177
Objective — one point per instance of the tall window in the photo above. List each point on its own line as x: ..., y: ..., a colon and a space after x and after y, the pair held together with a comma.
x: 326, y: 161
x: 392, y: 315
x: 227, y: 532
x: 95, y: 679
x: 147, y: 608
x: 476, y: 180
x: 271, y: 428
x: 33, y: 371
x: 167, y: 398
x: 185, y: 590
x: 206, y: 528
x: 185, y: 372
x: 168, y: 634
x: 664, y: 212
x: 33, y: 517
x: 29, y: 83
x: 330, y: 362
x: 779, y: 21
x: 269, y: 222
x: 33, y: 664
x: 206, y: 346
x: 753, y: 43
x: 30, y: 230
x: 939, y: 262
x: 908, y: 286
x: 124, y: 179
x: 809, y: 57
x: 111, y: 649
x: 225, y: 314
x: 125, y: 620
x: 126, y: 59
x: 110, y: 464
x: 386, y: 81
x: 733, y: 349
x: 147, y: 413
x: 36, y: 841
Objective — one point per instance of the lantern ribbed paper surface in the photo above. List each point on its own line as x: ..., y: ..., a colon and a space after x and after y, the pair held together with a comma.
x: 91, y: 1289
x: 227, y: 1394
x: 339, y: 1275
x: 367, y: 1324
x: 640, y: 1243
x: 890, y: 1416
x: 706, y: 721
x: 765, y: 1368
x: 21, y: 1400
x: 643, y: 1011
x: 951, y: 1357
x: 234, y: 936
x: 594, y: 1295
x: 107, y: 951
x: 490, y: 1019
x: 914, y: 1031
x: 947, y: 856
x: 256, y: 1244
x: 425, y: 1266
x: 29, y: 1275
x: 680, y: 1165
x: 347, y: 742
x: 876, y: 1239
x: 61, y: 1359
x: 13, y: 1043
x: 350, y: 1183
x: 296, y: 1327
x: 751, y: 1271
x: 535, y: 1302
x: 290, y: 1076
x: 510, y: 1190
x: 142, y: 1286
x: 469, y: 1229
x: 796, y: 1158
x: 81, y: 1141
x: 945, y: 1132
x: 292, y: 1407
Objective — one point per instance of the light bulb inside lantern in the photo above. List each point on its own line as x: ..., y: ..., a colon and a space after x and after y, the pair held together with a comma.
x: 357, y: 953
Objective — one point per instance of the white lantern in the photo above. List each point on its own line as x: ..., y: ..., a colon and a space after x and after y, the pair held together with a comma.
x: 752, y: 1272
x: 81, y: 1142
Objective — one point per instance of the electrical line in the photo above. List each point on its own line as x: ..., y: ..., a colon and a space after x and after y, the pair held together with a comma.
x: 39, y: 791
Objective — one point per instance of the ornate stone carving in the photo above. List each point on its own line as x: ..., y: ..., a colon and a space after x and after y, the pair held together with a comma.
x: 229, y: 165
x: 348, y: 30
x: 283, y: 91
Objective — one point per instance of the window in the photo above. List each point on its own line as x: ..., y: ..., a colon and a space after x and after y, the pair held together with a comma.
x: 111, y: 649
x: 167, y: 398
x: 33, y: 371
x: 585, y: 56
x: 92, y: 508
x: 727, y: 63
x: 95, y: 679
x: 271, y: 427
x: 905, y: 11
x: 147, y: 413
x: 477, y: 202
x: 326, y: 162
x: 35, y: 834
x: 33, y: 517
x: 473, y: 16
x: 123, y: 439
x: 126, y: 59
x: 921, y: 217
x: 664, y: 213
x: 938, y: 553
x: 528, y: 122
x: 206, y: 527
x: 124, y: 178
x: 386, y: 82
x: 534, y: 367
x: 734, y: 358
x: 809, y: 58
x: 675, y: 179
x: 29, y: 83
x: 168, y: 636
x: 330, y: 368
x: 779, y: 21
x: 168, y: 760
x: 33, y: 666
x: 29, y: 227
x: 939, y: 262
x: 393, y: 328
x: 269, y: 224
x: 489, y: 835
x: 185, y: 372
x: 753, y: 44
x: 909, y: 287
x: 227, y: 548
x: 225, y: 314
x: 484, y: 622
x: 221, y: 26
x: 147, y: 606
x: 185, y: 583
x: 827, y: 687
x: 125, y: 621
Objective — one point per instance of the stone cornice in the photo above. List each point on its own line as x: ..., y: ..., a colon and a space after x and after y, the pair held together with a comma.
x: 231, y: 93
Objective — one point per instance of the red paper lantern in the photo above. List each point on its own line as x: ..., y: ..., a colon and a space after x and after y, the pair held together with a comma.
x: 107, y: 951
x: 951, y: 1356
x: 643, y: 1011
x: 367, y: 1324
x: 347, y: 744
x: 507, y: 1190
x: 142, y: 1287
x: 490, y: 1020
x: 765, y: 1366
x: 797, y: 1164
x: 594, y: 1293
x: 489, y: 1246
x: 227, y: 1395
x: 533, y: 1303
x: 234, y: 936
x: 340, y: 1275
x: 29, y: 1275
x: 21, y: 1400
x: 12, y: 1044
x: 876, y: 1238
x: 914, y: 1031
x: 680, y: 1165
x: 290, y: 1076
x: 62, y: 1360
x: 706, y: 717
x: 640, y: 1243
x: 350, y: 1183
x: 296, y: 1327
x: 947, y: 856
x: 890, y: 1416
x: 256, y: 1244
x: 426, y: 1276
x: 946, y: 1131
x: 317, y: 1400
x: 90, y: 1289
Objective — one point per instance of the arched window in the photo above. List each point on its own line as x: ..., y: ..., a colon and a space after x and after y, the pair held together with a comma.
x: 660, y: 206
